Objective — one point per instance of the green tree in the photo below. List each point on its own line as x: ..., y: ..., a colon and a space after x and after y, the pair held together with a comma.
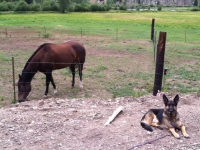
x: 29, y: 1
x: 22, y: 6
x: 195, y: 3
x: 64, y: 5
x: 3, y: 6
x: 198, y: 3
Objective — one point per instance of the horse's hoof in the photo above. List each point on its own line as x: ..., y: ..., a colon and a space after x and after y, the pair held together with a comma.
x: 81, y: 85
x: 55, y: 92
x: 45, y: 96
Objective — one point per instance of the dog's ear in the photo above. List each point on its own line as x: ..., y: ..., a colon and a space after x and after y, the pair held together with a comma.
x: 176, y: 99
x: 165, y: 99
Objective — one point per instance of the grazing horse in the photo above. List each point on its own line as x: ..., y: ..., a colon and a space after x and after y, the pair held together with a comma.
x: 49, y: 57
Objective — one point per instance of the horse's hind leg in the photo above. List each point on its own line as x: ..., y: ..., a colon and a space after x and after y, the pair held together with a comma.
x: 72, y: 68
x: 47, y: 84
x: 80, y: 74
x: 53, y: 84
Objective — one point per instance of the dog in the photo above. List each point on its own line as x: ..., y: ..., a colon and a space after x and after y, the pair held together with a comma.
x: 168, y: 117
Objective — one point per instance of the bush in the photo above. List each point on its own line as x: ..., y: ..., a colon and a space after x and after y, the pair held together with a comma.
x: 3, y: 6
x: 195, y: 9
x: 50, y: 5
x: 11, y: 5
x: 159, y: 7
x: 35, y: 7
x: 122, y: 7
x: 81, y: 8
x: 95, y: 7
x: 22, y: 6
x: 137, y: 7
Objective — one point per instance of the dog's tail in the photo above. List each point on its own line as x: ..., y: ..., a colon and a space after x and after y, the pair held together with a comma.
x: 146, y: 126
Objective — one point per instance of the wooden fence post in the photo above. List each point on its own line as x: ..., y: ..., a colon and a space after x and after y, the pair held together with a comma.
x: 159, y: 63
x: 154, y: 45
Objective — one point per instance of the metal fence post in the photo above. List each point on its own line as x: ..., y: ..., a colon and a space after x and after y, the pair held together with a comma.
x: 152, y: 29
x: 13, y: 71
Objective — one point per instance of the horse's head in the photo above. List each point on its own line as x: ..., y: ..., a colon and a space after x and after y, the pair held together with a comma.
x: 24, y: 89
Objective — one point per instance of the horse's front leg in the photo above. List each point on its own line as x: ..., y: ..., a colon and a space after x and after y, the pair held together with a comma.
x: 48, y: 79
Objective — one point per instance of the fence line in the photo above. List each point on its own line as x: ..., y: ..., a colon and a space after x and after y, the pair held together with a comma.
x: 184, y: 35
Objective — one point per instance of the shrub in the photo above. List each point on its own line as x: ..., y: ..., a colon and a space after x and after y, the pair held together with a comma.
x: 95, y: 7
x: 4, y: 6
x: 54, y: 6
x: 46, y: 5
x: 22, y: 6
x: 11, y: 5
x: 159, y: 7
x: 195, y: 9
x: 122, y: 7
x: 35, y: 7
x: 81, y: 8
x: 50, y: 5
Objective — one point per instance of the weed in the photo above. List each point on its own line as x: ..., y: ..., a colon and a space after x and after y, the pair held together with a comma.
x: 46, y: 35
x: 2, y: 98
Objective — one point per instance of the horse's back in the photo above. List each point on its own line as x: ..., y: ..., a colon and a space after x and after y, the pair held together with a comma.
x: 78, y: 48
x: 70, y: 49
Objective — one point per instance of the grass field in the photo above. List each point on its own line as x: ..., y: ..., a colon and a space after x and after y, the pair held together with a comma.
x: 120, y: 59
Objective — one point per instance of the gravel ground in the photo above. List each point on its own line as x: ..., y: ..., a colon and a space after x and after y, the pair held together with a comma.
x: 78, y: 124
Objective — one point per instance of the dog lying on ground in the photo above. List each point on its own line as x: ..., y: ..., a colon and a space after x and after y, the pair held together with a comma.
x: 167, y: 116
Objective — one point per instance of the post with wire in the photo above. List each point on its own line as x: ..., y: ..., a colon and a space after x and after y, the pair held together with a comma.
x: 159, y: 63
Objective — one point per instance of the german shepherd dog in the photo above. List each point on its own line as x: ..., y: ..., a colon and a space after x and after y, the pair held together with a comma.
x: 167, y: 116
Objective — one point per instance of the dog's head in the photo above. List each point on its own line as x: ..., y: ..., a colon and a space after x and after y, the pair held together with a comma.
x: 170, y: 105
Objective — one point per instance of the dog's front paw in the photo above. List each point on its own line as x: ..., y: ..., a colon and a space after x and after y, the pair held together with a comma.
x: 177, y: 136
x: 186, y: 135
x: 160, y: 127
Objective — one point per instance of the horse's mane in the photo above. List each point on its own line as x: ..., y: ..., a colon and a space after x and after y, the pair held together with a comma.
x: 40, y: 47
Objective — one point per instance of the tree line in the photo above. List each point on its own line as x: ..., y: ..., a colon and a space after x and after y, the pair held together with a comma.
x: 53, y: 5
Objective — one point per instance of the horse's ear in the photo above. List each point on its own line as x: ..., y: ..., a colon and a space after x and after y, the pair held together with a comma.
x: 20, y: 77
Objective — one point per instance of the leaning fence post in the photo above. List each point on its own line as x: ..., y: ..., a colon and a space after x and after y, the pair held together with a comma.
x: 81, y: 32
x: 152, y: 29
x: 185, y: 35
x: 13, y: 71
x: 117, y: 34
x: 45, y: 31
x: 159, y: 63
x: 6, y: 33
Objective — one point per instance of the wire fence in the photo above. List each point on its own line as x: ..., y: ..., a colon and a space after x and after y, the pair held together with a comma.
x: 174, y: 34
x: 118, y: 63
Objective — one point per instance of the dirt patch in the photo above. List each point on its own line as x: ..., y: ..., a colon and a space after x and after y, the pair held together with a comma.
x: 79, y: 124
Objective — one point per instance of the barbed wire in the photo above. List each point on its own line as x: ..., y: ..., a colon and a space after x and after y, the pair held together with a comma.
x: 111, y: 32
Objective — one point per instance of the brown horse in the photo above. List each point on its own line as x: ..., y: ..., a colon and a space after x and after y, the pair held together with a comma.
x: 49, y: 57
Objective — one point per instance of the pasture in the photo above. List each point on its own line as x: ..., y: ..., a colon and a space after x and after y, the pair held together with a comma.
x: 120, y: 58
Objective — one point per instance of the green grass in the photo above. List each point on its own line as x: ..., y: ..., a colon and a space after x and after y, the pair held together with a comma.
x: 128, y: 25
